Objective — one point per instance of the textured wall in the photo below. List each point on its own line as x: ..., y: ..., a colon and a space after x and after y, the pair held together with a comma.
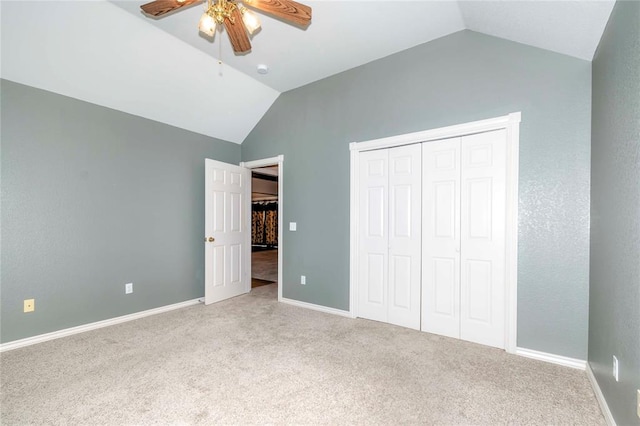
x: 92, y: 199
x: 456, y: 79
x: 614, y: 311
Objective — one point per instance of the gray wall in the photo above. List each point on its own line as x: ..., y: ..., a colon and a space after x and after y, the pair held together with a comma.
x: 93, y: 198
x: 614, y: 309
x: 456, y: 79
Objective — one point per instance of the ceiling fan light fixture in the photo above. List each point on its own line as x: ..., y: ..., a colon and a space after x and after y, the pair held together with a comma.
x: 232, y: 17
x: 207, y: 25
x: 250, y: 20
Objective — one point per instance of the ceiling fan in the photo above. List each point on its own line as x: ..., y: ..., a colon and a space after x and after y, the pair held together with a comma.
x: 235, y: 17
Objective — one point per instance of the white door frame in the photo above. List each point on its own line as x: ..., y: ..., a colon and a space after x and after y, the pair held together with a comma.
x: 273, y: 161
x: 511, y: 123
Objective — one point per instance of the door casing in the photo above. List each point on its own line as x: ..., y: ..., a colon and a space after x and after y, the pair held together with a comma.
x: 511, y: 123
x: 272, y: 161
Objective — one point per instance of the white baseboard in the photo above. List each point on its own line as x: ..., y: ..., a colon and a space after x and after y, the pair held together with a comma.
x: 578, y: 364
x: 320, y: 308
x: 608, y: 417
x: 92, y: 326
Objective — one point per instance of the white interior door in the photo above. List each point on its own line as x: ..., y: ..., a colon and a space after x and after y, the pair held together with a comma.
x: 464, y: 224
x: 227, y: 231
x: 405, y: 239
x: 482, y: 298
x: 373, y: 235
x: 441, y: 237
x: 390, y: 236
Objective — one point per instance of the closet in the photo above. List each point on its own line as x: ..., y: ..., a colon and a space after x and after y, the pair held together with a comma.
x: 431, y: 237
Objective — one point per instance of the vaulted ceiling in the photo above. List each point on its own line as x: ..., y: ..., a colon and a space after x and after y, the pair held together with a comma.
x: 110, y: 54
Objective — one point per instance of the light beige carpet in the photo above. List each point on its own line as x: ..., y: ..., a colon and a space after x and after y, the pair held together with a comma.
x: 251, y: 360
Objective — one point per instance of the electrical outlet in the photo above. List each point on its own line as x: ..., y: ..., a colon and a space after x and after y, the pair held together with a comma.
x: 293, y: 226
x: 615, y: 369
x: 128, y: 288
x: 303, y: 280
x: 29, y: 305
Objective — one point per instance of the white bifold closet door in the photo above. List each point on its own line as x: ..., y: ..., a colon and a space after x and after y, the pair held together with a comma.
x: 441, y: 235
x: 463, y: 213
x: 390, y: 235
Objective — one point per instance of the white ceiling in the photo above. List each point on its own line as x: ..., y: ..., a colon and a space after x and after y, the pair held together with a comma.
x: 113, y: 55
x: 570, y: 27
x: 339, y: 37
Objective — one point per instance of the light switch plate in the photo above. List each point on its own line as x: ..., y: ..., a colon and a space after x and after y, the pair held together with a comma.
x: 293, y: 226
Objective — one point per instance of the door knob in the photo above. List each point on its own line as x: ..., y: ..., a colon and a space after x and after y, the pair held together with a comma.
x: 211, y: 239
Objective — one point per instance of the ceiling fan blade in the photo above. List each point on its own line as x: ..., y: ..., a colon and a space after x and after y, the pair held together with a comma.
x: 237, y: 32
x: 288, y: 10
x: 162, y: 7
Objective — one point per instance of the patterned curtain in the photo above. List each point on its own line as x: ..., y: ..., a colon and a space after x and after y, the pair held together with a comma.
x: 271, y: 227
x: 257, y: 227
x: 264, y: 223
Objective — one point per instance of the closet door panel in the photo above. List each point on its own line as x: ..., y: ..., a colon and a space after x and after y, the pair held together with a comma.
x: 375, y: 283
x: 373, y: 235
x: 483, y: 238
x: 444, y: 286
x: 441, y: 237
x: 405, y: 235
x: 479, y: 274
x: 400, y: 270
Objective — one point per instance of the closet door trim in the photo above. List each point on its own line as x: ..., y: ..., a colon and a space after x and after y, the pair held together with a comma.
x: 511, y: 123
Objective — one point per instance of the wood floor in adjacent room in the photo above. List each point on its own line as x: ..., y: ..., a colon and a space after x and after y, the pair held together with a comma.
x: 252, y: 360
x: 264, y: 265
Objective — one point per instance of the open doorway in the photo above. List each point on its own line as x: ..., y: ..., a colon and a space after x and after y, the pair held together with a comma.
x: 274, y: 167
x: 264, y: 226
